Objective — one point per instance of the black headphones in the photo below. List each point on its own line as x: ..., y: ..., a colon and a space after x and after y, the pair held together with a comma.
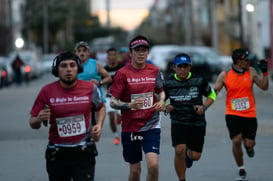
x: 65, y: 56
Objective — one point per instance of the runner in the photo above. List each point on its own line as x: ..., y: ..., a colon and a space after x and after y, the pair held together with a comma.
x: 114, y: 114
x: 133, y: 92
x: 124, y: 55
x: 187, y: 110
x: 240, y: 104
x: 66, y: 104
x: 92, y: 70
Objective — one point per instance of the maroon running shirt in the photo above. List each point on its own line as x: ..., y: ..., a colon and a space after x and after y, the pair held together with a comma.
x: 130, y: 83
x: 70, y: 110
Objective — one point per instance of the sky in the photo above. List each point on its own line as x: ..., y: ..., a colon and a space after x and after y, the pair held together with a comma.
x: 127, y: 14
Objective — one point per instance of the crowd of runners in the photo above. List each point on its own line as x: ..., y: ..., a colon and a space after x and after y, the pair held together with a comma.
x: 133, y: 93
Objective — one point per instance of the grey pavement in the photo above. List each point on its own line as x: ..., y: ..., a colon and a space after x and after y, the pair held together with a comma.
x: 22, y: 149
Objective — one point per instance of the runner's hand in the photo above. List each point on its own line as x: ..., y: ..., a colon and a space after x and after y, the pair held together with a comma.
x: 199, y: 109
x: 159, y: 106
x: 137, y: 104
x: 169, y: 108
x: 263, y: 66
x: 44, y: 114
x: 96, y: 132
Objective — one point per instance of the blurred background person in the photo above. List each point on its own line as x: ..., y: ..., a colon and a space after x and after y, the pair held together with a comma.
x: 17, y: 69
x: 92, y: 70
x: 124, y: 56
x: 101, y: 57
x: 114, y: 115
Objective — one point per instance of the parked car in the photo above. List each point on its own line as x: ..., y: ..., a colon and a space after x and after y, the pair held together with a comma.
x: 6, y: 72
x: 31, y: 59
x: 161, y: 54
x: 226, y: 62
x: 205, y: 61
x: 46, y: 62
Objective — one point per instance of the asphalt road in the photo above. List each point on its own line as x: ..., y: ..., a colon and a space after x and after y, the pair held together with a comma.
x: 22, y: 149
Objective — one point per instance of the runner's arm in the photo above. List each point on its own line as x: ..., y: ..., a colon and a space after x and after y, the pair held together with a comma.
x: 118, y: 104
x: 96, y: 129
x: 261, y: 82
x: 106, y: 78
x: 220, y: 82
x: 160, y: 105
x: 35, y: 122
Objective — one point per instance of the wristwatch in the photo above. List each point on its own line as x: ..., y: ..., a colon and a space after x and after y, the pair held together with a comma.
x: 101, y: 83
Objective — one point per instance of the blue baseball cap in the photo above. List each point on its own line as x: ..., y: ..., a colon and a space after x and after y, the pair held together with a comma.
x: 123, y: 50
x: 182, y: 59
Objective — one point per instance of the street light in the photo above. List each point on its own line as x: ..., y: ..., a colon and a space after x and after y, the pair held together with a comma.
x: 250, y: 8
x: 19, y: 43
x: 250, y: 26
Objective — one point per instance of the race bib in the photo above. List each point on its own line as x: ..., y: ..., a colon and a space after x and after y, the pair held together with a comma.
x: 71, y: 126
x: 148, y: 99
x: 240, y: 104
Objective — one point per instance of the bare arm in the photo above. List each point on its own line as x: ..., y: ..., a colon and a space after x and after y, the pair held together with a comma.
x: 35, y: 122
x: 96, y: 129
x: 106, y: 78
x: 160, y: 106
x: 118, y: 104
x: 220, y: 82
x: 261, y: 82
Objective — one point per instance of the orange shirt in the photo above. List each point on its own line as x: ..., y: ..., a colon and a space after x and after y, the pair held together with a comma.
x: 240, y: 100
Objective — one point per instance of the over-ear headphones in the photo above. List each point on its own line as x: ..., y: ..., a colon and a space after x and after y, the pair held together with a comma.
x: 65, y: 56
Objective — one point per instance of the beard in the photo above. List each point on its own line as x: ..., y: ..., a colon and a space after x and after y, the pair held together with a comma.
x: 68, y: 81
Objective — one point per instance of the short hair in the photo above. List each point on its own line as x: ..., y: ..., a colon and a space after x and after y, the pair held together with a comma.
x: 238, y: 53
x: 111, y: 49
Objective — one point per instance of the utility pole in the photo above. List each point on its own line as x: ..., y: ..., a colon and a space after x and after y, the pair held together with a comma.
x: 271, y: 35
x: 45, y: 26
x: 108, y: 23
x: 242, y: 39
x: 188, y: 22
x: 214, y: 26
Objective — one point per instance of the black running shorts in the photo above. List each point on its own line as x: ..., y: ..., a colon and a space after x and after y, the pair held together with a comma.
x: 241, y: 125
x: 192, y: 136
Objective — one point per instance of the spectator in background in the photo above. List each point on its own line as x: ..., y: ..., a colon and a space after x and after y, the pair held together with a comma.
x: 17, y: 69
x: 101, y: 57
x: 124, y: 55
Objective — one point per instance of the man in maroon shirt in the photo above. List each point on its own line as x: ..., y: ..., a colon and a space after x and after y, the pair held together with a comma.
x: 67, y: 105
x: 133, y: 91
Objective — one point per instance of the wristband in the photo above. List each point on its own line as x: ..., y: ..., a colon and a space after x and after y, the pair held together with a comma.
x: 265, y: 74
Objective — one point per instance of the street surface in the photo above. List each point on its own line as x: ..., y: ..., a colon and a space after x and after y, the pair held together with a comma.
x: 22, y: 148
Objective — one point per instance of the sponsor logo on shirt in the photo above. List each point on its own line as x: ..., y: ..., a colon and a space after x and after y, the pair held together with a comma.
x: 65, y: 100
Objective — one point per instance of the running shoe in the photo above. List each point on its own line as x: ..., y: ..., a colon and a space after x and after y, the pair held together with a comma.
x: 250, y: 153
x: 189, y: 161
x: 242, y: 175
x: 116, y: 141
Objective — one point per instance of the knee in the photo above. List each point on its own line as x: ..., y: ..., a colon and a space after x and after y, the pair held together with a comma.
x: 237, y: 140
x: 135, y: 171
x: 180, y: 152
x: 153, y: 169
x: 249, y: 143
x: 195, y: 155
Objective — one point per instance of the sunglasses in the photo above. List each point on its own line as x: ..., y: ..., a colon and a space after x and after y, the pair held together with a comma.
x: 245, y: 57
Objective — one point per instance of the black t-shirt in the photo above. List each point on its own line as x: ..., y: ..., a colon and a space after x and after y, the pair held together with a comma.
x: 183, y: 96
